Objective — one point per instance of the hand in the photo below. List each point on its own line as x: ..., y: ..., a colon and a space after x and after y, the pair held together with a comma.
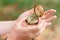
x: 49, y: 15
x: 22, y: 31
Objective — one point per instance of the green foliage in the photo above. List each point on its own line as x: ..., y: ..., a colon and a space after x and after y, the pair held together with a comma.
x: 7, y: 2
x: 23, y: 5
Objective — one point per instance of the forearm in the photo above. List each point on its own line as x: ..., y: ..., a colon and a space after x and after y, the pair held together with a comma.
x: 6, y: 26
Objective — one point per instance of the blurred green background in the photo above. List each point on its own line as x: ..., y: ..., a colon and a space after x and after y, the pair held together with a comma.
x: 11, y: 9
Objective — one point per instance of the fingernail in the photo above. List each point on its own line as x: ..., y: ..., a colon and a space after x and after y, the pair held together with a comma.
x: 55, y: 16
x: 49, y: 23
x: 55, y: 10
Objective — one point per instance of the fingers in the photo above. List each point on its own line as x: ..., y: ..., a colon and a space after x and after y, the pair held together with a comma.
x: 51, y: 18
x: 48, y: 16
x: 42, y: 24
x: 48, y: 13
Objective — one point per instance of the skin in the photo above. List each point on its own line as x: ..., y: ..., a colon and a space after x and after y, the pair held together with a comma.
x: 19, y: 30
x: 6, y: 26
x: 22, y: 31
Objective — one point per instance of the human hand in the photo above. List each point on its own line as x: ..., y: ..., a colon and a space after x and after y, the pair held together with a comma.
x: 49, y: 15
x: 22, y: 31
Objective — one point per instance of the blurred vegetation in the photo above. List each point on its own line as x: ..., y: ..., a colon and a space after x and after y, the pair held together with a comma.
x: 11, y: 9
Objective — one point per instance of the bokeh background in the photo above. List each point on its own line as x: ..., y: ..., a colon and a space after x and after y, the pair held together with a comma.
x: 11, y: 9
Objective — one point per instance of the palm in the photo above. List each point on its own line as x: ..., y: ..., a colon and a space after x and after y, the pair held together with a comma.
x: 22, y: 31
